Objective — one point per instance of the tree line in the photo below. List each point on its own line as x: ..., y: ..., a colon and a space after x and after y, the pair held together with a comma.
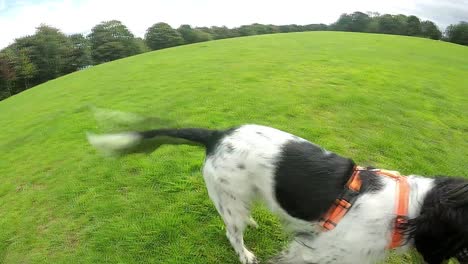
x: 49, y: 53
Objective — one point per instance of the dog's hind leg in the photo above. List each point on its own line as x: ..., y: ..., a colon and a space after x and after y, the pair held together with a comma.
x: 236, y: 216
x: 234, y: 209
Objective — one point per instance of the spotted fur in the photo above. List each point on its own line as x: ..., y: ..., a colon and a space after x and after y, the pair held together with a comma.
x: 295, y: 179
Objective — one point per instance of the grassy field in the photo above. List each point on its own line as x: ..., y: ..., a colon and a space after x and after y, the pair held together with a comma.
x: 390, y: 101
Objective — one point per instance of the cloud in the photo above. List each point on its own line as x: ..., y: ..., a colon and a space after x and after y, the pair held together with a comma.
x: 443, y: 12
x: 21, y: 17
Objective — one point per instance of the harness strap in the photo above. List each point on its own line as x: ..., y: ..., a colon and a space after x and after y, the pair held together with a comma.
x: 401, y: 204
x: 341, y: 205
x: 352, y: 188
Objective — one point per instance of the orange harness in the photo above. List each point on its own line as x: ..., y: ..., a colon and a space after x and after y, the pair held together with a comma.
x: 342, y: 205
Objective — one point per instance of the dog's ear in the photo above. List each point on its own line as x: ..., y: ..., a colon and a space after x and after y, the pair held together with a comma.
x: 440, y: 232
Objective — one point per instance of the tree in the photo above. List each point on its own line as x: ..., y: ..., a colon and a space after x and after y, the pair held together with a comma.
x: 414, y: 26
x: 142, y: 47
x: 285, y: 28
x: 7, y: 73
x: 260, y: 29
x: 343, y: 23
x: 110, y: 51
x: 246, y: 30
x: 221, y: 32
x: 430, y: 30
x: 161, y: 35
x: 315, y: 27
x: 49, y: 50
x: 373, y: 26
x: 355, y: 22
x: 191, y: 35
x: 111, y: 40
x: 389, y: 24
x: 80, y: 56
x: 25, y: 68
x: 38, y: 58
x: 401, y: 24
x: 458, y: 33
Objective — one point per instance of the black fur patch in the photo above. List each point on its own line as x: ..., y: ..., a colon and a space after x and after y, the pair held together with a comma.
x: 371, y: 182
x: 308, y: 180
x: 229, y: 148
x: 441, y: 230
x: 216, y: 138
x: 200, y: 136
x: 223, y: 180
x: 263, y: 135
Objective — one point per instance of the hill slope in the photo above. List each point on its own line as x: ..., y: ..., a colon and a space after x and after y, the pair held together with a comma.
x: 391, y: 101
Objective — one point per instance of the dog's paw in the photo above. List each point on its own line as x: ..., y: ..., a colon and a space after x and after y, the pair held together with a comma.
x: 252, y: 223
x: 249, y: 258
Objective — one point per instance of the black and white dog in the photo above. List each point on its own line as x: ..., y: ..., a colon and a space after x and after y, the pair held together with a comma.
x: 299, y: 181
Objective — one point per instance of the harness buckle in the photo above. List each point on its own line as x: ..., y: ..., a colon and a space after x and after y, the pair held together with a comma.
x: 401, y: 220
x: 349, y: 195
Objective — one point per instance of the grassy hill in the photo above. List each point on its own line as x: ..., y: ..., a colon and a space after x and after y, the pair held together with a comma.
x: 390, y: 101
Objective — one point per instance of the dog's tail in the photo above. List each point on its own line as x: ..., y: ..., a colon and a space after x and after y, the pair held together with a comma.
x: 148, y: 141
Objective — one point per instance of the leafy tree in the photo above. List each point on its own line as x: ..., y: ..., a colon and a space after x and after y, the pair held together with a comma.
x: 161, y: 35
x: 373, y: 26
x: 205, y: 29
x: 414, y: 26
x: 201, y: 36
x: 246, y: 30
x: 188, y: 34
x: 48, y: 50
x: 430, y: 30
x: 458, y: 33
x: 80, y: 56
x: 7, y: 73
x: 314, y: 27
x: 38, y: 58
x: 389, y: 24
x: 261, y: 29
x: 287, y: 28
x: 221, y: 32
x: 51, y: 52
x: 402, y: 24
x: 110, y: 51
x: 360, y: 21
x: 343, y: 22
x: 111, y: 40
x: 191, y: 35
x: 25, y: 68
x: 355, y: 22
x: 141, y: 44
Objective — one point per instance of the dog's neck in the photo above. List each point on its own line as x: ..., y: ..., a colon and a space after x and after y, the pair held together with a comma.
x: 419, y: 187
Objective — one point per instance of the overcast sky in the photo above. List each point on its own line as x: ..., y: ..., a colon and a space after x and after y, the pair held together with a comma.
x: 21, y: 17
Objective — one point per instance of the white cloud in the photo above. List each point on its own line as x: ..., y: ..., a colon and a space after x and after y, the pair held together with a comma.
x: 79, y: 16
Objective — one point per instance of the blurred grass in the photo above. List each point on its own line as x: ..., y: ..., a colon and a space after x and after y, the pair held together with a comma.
x: 390, y: 101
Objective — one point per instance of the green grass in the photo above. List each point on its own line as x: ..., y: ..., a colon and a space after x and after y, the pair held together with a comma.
x: 390, y: 101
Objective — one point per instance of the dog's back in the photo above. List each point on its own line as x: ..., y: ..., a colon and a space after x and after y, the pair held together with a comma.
x: 291, y: 174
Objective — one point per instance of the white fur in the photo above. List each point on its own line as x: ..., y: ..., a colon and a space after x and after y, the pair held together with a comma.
x: 113, y: 143
x: 361, y: 236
